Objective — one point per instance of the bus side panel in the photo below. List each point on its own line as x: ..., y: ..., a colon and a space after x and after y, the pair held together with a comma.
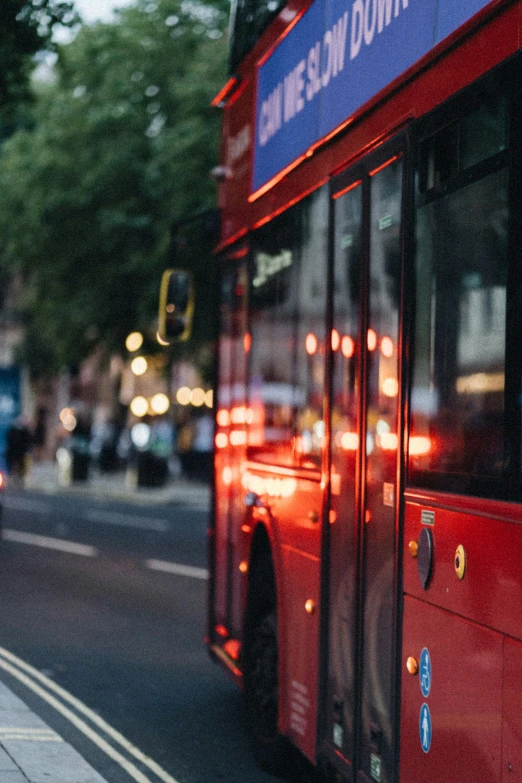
x: 512, y: 723
x: 295, y: 534
x: 236, y: 155
x: 490, y: 592
x: 299, y: 633
x: 452, y: 733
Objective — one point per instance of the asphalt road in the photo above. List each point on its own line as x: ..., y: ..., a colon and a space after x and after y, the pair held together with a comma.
x: 118, y: 621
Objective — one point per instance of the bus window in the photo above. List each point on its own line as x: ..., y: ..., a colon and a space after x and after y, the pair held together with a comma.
x: 310, y: 348
x: 457, y: 398
x: 484, y: 131
x: 466, y: 142
x: 249, y: 19
x: 287, y: 316
x: 271, y: 394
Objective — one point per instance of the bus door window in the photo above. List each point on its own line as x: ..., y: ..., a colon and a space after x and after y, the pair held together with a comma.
x: 311, y: 348
x: 345, y: 448
x: 381, y: 442
x: 367, y: 274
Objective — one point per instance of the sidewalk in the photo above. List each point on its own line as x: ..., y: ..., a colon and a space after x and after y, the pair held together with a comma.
x: 31, y: 752
x: 43, y: 477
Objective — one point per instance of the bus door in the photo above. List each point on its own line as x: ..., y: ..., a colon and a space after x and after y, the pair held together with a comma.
x: 230, y: 449
x: 360, y: 688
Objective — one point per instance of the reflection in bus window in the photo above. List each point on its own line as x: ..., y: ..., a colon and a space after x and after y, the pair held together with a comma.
x: 383, y: 384
x: 287, y: 356
x: 458, y: 382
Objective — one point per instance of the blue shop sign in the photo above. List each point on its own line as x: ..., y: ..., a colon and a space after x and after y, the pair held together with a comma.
x: 10, y: 403
x: 337, y: 57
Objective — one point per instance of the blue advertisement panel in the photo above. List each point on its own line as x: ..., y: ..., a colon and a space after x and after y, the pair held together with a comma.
x: 452, y: 14
x: 384, y: 38
x: 286, y: 120
x: 337, y: 57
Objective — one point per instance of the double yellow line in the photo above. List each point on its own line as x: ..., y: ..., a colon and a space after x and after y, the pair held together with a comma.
x: 58, y: 698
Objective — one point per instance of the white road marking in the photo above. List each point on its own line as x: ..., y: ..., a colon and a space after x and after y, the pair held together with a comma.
x: 126, y: 520
x: 133, y: 771
x: 61, y: 545
x: 7, y: 729
x: 30, y: 735
x: 26, y: 504
x: 177, y: 568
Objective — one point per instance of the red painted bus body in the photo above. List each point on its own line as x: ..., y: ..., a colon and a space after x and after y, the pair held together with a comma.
x: 379, y: 494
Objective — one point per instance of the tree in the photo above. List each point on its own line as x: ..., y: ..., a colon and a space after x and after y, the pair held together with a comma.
x: 120, y: 151
x: 27, y: 27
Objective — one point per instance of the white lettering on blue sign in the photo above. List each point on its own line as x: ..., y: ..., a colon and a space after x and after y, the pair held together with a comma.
x: 270, y: 117
x: 369, y: 15
x: 294, y: 101
x: 325, y: 60
x: 339, y: 55
x: 425, y: 728
x: 425, y: 672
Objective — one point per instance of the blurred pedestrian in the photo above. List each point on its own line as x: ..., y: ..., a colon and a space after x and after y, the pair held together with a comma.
x: 40, y: 434
x: 19, y: 442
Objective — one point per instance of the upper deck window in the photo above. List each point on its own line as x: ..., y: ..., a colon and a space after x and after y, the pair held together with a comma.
x: 249, y: 19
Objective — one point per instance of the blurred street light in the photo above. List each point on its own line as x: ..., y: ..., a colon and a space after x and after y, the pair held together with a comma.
x: 139, y: 365
x: 134, y: 341
x: 160, y: 403
x: 184, y: 395
x: 139, y: 406
x: 140, y: 435
x: 197, y: 397
x: 68, y: 419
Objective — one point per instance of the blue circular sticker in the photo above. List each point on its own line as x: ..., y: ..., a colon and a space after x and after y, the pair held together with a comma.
x: 425, y: 672
x: 425, y: 728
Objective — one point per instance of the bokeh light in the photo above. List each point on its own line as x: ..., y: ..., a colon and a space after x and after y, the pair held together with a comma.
x: 160, y: 403
x: 197, y: 397
x: 139, y: 365
x: 68, y: 419
x: 134, y: 341
x: 183, y: 395
x: 139, y: 406
x: 140, y: 435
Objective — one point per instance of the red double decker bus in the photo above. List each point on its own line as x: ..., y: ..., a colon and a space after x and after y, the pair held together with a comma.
x: 366, y: 546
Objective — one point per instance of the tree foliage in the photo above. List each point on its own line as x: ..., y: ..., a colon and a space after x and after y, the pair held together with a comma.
x: 120, y: 150
x: 26, y: 27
